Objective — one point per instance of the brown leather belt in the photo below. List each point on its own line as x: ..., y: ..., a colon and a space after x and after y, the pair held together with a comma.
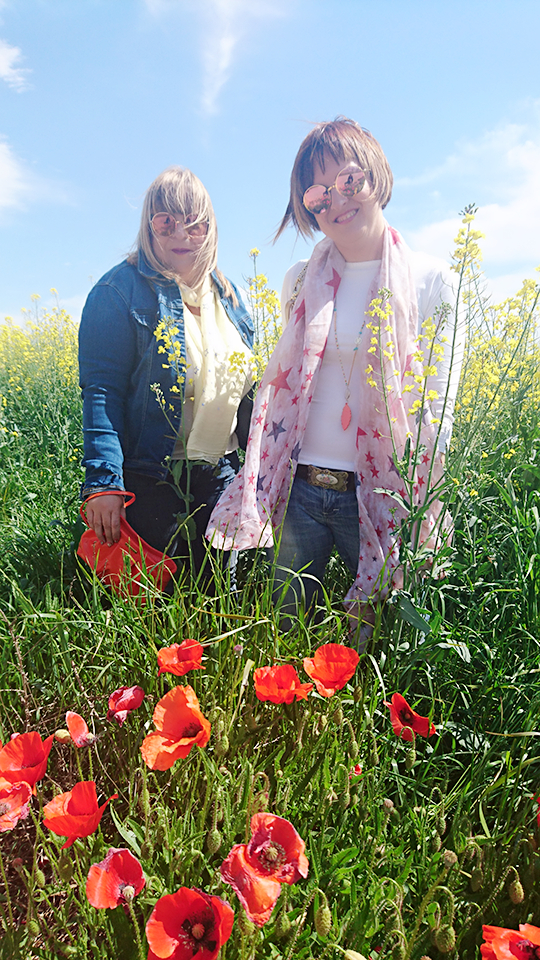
x: 339, y: 480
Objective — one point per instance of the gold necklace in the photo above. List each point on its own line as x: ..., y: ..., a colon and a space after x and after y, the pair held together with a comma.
x: 346, y: 414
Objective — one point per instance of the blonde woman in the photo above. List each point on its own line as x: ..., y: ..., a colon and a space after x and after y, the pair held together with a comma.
x: 160, y: 395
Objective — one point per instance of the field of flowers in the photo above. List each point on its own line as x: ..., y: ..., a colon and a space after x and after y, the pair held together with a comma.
x: 180, y: 778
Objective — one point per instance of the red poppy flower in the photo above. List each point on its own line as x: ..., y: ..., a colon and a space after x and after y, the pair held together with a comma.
x: 75, y: 813
x: 117, y: 879
x: 257, y: 894
x: 14, y: 800
x: 276, y: 849
x: 356, y: 771
x: 331, y: 667
x: 280, y: 684
x: 180, y: 725
x: 274, y: 855
x: 122, y: 701
x: 188, y: 923
x: 180, y: 658
x: 503, y: 944
x: 78, y: 730
x: 405, y: 721
x: 24, y: 758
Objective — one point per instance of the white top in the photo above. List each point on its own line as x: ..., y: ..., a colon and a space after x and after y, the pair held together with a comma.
x: 325, y: 444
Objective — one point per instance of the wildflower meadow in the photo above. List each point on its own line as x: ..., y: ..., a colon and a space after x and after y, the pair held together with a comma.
x: 180, y: 776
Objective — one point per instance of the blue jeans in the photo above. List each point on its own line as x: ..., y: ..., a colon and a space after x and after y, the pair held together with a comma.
x: 316, y: 520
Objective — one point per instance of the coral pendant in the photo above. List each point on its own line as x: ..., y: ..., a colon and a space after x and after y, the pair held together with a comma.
x: 346, y: 416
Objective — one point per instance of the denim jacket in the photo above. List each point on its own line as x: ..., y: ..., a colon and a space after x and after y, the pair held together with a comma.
x: 123, y: 423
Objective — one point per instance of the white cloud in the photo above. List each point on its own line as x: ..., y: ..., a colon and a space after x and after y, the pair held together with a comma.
x: 502, y: 171
x: 14, y: 75
x: 224, y: 24
x: 14, y: 180
x: 19, y: 184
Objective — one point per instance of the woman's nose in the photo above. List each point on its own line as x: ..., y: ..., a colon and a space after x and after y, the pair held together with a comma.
x: 180, y: 228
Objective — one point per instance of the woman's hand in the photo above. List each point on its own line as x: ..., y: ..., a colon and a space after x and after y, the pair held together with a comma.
x: 103, y: 515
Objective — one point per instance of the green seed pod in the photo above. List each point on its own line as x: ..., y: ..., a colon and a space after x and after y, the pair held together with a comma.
x: 213, y: 841
x: 65, y: 868
x: 283, y: 925
x: 323, y: 919
x: 445, y: 939
x: 33, y: 928
x: 515, y: 891
x: 410, y: 759
x: 338, y: 715
x: 39, y: 878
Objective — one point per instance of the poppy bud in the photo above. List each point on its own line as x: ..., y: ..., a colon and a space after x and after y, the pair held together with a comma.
x: 147, y: 850
x: 515, y: 891
x: 33, y: 928
x: 65, y: 868
x: 352, y: 955
x: 17, y: 864
x: 39, y: 878
x: 353, y: 750
x: 477, y: 879
x: 357, y: 694
x: 338, y: 716
x: 436, y: 843
x: 247, y: 927
x: 373, y: 755
x: 322, y: 723
x: 144, y: 802
x: 222, y: 745
x: 388, y: 806
x: 440, y: 824
x: 398, y: 950
x: 62, y: 735
x: 445, y: 939
x: 259, y: 803
x: 213, y: 841
x: 449, y: 859
x: 323, y: 918
x: 410, y: 759
x: 283, y: 925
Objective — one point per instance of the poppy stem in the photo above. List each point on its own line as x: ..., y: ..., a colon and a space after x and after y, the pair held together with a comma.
x: 8, y: 898
x: 137, y: 931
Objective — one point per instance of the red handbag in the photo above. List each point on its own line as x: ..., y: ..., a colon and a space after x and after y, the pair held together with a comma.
x: 130, y: 563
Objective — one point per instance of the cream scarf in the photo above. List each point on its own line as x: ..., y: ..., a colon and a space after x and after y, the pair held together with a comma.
x: 214, y: 385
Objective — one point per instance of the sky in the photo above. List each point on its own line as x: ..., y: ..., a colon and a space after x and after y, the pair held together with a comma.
x: 99, y: 96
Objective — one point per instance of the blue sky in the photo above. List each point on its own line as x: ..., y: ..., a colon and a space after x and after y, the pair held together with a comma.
x: 98, y: 96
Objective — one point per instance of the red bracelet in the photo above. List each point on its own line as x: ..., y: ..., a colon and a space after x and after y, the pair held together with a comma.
x: 106, y: 493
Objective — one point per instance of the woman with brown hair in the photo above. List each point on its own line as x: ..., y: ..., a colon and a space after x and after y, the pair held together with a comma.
x: 349, y: 389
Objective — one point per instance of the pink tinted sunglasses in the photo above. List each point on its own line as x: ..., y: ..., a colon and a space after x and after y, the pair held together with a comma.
x: 348, y: 183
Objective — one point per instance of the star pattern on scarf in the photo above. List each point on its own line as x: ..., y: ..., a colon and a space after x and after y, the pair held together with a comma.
x: 277, y: 428
x: 334, y: 282
x: 280, y: 381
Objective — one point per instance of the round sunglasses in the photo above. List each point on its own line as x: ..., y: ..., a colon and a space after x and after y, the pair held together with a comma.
x: 164, y: 225
x: 348, y: 183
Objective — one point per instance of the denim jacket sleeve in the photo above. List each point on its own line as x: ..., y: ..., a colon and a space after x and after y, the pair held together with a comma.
x: 106, y: 357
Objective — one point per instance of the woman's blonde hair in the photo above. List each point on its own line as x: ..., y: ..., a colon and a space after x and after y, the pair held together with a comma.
x: 343, y: 140
x: 178, y: 191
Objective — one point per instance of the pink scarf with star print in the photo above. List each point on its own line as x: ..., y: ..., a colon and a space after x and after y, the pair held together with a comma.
x: 254, y: 505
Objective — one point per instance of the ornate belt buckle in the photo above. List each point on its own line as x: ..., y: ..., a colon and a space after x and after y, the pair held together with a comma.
x: 327, y: 479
